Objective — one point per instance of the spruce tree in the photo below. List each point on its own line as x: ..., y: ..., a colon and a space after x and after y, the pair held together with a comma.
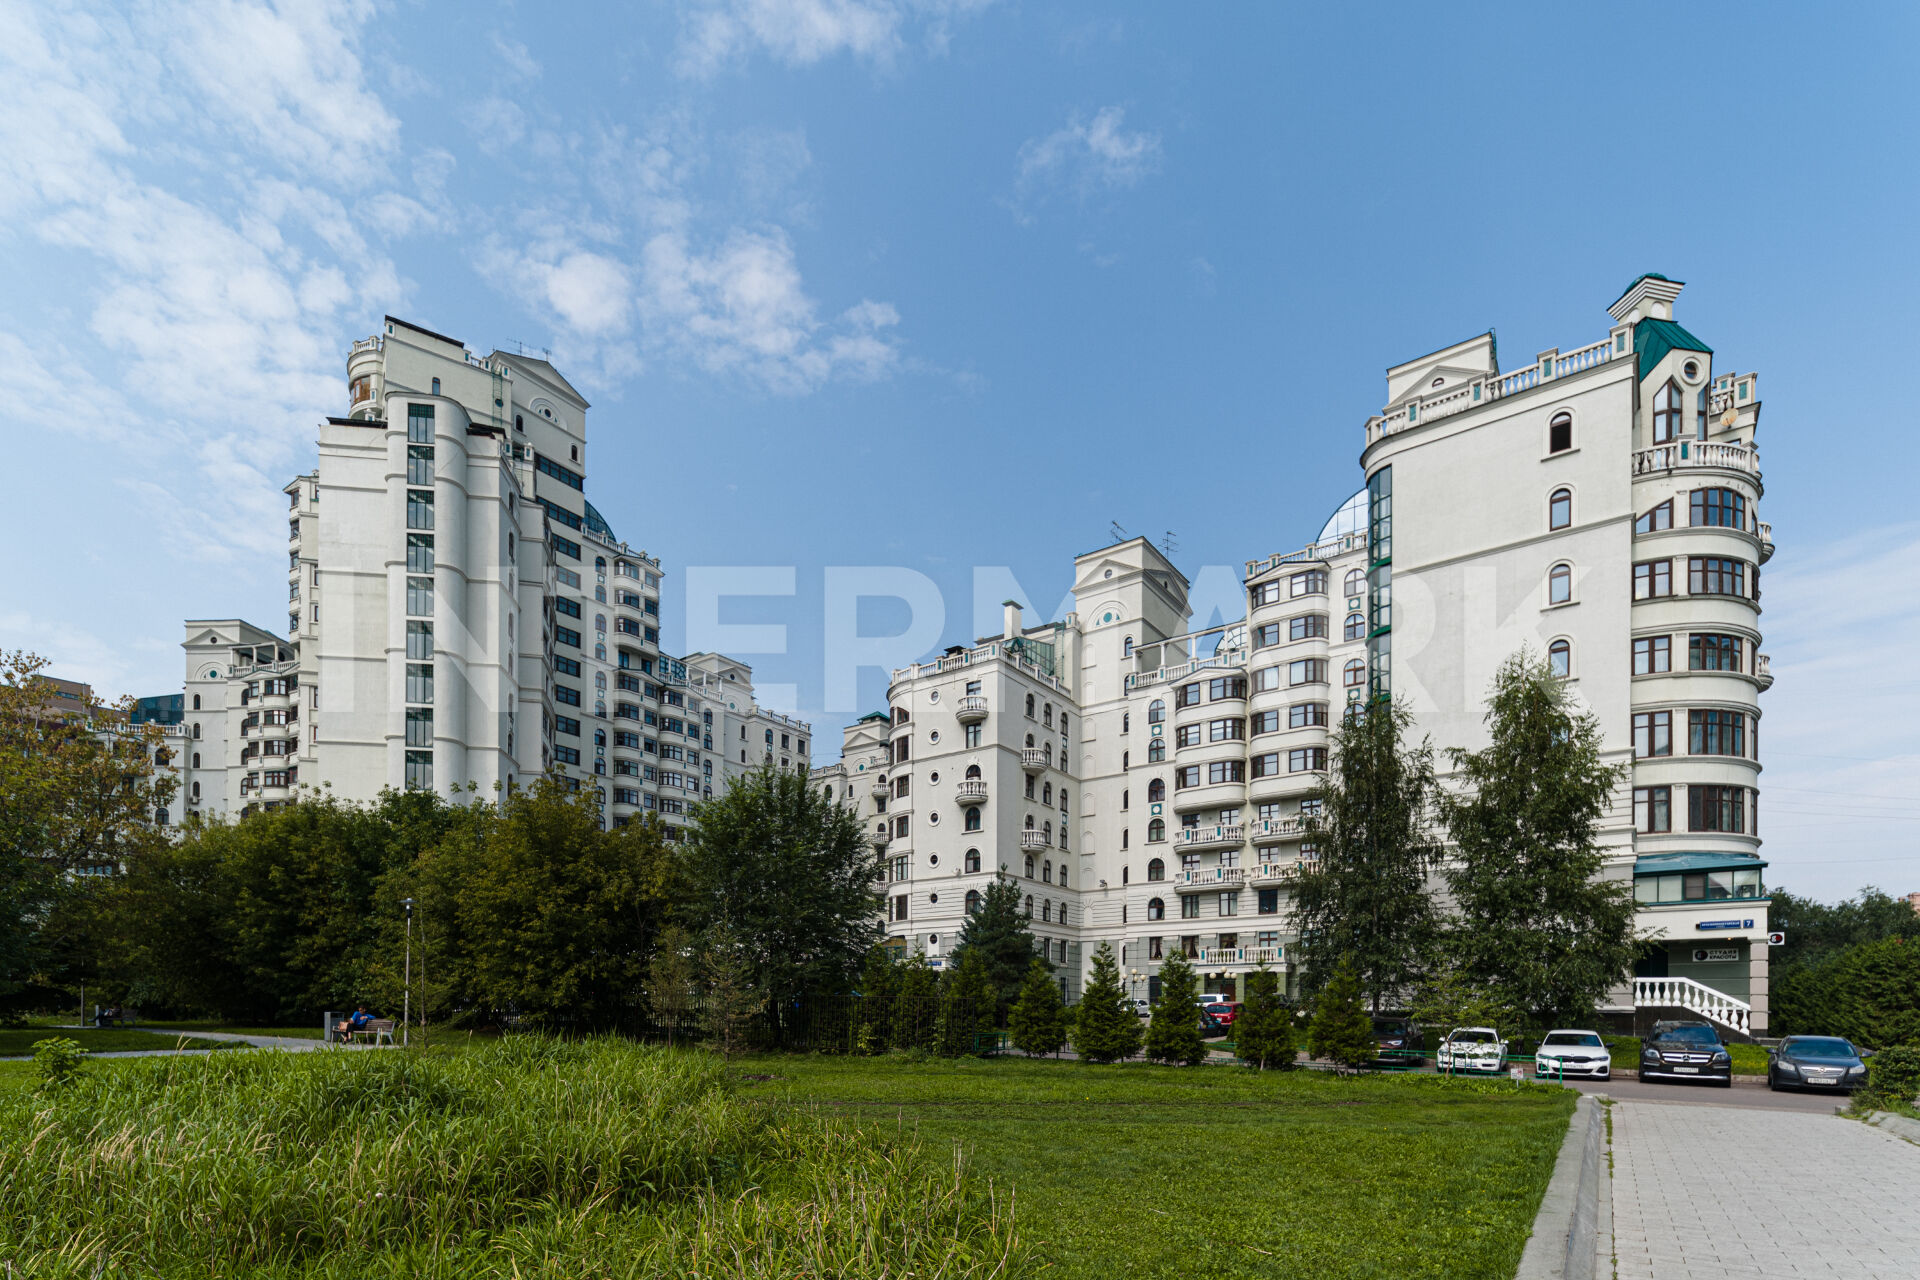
x: 1342, y: 1033
x: 966, y: 1005
x: 1173, y: 1037
x: 1038, y: 1019
x: 879, y: 991
x: 1000, y: 931
x: 1366, y: 896
x: 917, y: 1006
x: 1533, y: 918
x: 1105, y: 1026
x: 1263, y: 1034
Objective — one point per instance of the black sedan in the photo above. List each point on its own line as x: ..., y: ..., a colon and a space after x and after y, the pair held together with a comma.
x: 1690, y: 1051
x: 1815, y: 1062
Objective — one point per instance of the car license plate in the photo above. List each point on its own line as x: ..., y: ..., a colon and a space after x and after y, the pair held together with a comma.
x: 1692, y: 1071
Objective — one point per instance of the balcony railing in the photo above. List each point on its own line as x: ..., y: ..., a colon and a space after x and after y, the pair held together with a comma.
x: 1485, y: 388
x: 1033, y: 759
x: 1221, y: 955
x: 1271, y: 870
x: 972, y: 709
x: 1763, y: 670
x: 1696, y: 453
x: 971, y: 791
x: 1209, y: 878
x: 1265, y: 829
x: 1684, y: 993
x: 1765, y: 531
x: 1209, y: 837
x: 1034, y: 840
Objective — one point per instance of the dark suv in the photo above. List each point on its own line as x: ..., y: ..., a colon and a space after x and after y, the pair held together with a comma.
x: 1686, y: 1051
x: 1398, y: 1041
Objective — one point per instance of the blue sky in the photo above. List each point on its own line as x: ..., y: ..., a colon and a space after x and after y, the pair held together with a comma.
x: 938, y: 284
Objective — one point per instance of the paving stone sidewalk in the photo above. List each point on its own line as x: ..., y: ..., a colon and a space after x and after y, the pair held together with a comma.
x: 1711, y: 1193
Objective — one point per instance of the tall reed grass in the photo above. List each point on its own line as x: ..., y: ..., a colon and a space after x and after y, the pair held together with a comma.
x: 528, y: 1157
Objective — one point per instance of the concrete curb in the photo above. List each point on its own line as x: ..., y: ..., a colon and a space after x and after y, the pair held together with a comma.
x: 1898, y: 1126
x: 1566, y: 1232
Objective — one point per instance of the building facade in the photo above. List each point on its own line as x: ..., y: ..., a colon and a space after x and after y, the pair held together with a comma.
x: 459, y: 616
x: 1148, y: 783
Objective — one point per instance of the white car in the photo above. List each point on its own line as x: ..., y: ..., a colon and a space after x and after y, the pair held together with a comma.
x: 1566, y: 1053
x: 1471, y: 1049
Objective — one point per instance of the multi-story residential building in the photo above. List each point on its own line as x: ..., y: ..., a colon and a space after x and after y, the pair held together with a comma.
x: 459, y: 614
x: 1147, y: 782
x: 738, y: 734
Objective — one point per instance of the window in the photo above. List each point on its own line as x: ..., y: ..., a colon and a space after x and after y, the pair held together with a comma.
x: 1355, y: 628
x: 1311, y: 583
x: 1652, y: 734
x: 564, y: 546
x: 1716, y: 733
x: 1187, y: 735
x: 1187, y: 695
x: 1263, y: 722
x: 1186, y: 776
x: 1560, y: 433
x: 1190, y: 907
x: 1716, y: 576
x: 1229, y: 906
x: 419, y: 726
x: 1560, y: 509
x: 1029, y: 706
x: 1156, y: 908
x: 420, y: 464
x: 567, y: 725
x: 571, y: 608
x: 1156, y: 791
x: 1307, y: 626
x: 1157, y: 751
x: 572, y: 479
x: 1126, y: 647
x: 1306, y: 715
x: 1709, y: 652
x: 971, y: 735
x: 1656, y: 519
x: 420, y: 424
x: 1354, y: 674
x: 1712, y: 808
x: 1265, y: 593
x: 566, y: 696
x: 1232, y: 730
x: 1307, y: 671
x: 1157, y: 711
x: 419, y: 682
x: 1652, y: 579
x: 1267, y: 765
x: 1560, y: 658
x: 1719, y: 508
x: 1156, y: 832
x: 971, y: 820
x: 1652, y: 810
x: 973, y: 901
x: 1307, y: 760
x: 1226, y: 771
x: 1652, y: 655
x: 1666, y: 414
x: 419, y: 553
x: 972, y: 861
x: 1560, y: 584
x: 420, y: 640
x: 419, y: 770
x: 1356, y: 583
x: 419, y: 509
x: 566, y: 636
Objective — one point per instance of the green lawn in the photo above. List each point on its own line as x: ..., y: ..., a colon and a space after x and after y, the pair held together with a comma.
x: 293, y: 1033
x: 19, y: 1042
x: 1142, y: 1171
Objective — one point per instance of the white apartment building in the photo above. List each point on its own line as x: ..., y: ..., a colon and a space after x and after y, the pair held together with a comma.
x: 1146, y: 783
x: 459, y: 615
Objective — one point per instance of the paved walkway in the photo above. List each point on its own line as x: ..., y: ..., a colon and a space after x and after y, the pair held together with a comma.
x: 1711, y: 1193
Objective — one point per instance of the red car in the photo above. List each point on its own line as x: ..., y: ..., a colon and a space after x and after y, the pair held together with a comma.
x: 1224, y: 1013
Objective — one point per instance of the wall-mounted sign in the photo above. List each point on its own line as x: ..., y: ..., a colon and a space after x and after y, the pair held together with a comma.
x: 1715, y: 955
x: 1722, y: 924
x: 1777, y: 938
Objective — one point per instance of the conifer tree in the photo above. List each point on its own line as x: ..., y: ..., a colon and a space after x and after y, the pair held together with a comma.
x: 1000, y: 929
x: 1173, y: 1037
x: 1038, y: 1019
x: 1105, y: 1026
x: 917, y: 1006
x: 672, y: 980
x: 1342, y: 1033
x: 1534, y: 920
x: 966, y: 1005
x: 879, y: 991
x: 1263, y: 1034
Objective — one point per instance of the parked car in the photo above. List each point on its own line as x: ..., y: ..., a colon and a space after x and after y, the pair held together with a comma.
x: 1142, y: 1006
x: 1687, y: 1051
x: 1573, y: 1053
x: 1211, y: 1028
x: 1816, y: 1062
x: 1398, y: 1040
x: 1471, y: 1049
x: 1225, y: 1012
x: 1215, y: 997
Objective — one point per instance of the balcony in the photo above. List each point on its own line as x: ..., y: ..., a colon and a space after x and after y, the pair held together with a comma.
x: 971, y: 791
x: 1684, y: 454
x: 1267, y: 830
x: 1763, y: 670
x: 1271, y: 871
x: 1208, y: 878
x: 1214, y: 837
x: 972, y: 710
x: 878, y: 788
x: 1034, y: 840
x: 1221, y: 955
x: 1765, y: 531
x: 881, y: 835
x: 1033, y: 759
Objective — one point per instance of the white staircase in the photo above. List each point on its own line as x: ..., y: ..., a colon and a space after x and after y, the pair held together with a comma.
x: 1685, y: 993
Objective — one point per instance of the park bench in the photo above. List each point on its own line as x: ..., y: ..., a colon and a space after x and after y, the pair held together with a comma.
x: 376, y: 1031
x: 125, y: 1018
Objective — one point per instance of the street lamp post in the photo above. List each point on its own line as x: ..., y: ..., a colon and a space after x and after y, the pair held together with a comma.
x: 406, y: 993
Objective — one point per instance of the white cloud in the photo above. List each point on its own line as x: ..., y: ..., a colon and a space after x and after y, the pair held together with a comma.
x: 1089, y: 154
x: 518, y: 59
x: 803, y: 32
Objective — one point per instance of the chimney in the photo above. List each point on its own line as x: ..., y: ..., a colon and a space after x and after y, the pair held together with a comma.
x: 1010, y: 629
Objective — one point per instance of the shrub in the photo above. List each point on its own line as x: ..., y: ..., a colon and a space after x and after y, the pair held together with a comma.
x: 1893, y: 1078
x: 58, y: 1062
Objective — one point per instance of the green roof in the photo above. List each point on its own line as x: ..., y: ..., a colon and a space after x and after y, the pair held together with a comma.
x: 1652, y: 339
x: 1651, y: 864
x: 876, y: 715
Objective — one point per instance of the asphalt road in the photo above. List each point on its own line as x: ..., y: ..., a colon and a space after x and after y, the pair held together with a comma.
x: 1743, y: 1094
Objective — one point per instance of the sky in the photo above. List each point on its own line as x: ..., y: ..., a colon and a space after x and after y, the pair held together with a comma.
x: 942, y: 291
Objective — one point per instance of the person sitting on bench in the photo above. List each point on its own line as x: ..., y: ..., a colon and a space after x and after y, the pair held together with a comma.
x: 359, y: 1020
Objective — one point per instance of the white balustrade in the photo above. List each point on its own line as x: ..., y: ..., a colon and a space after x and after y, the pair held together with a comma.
x: 1694, y: 997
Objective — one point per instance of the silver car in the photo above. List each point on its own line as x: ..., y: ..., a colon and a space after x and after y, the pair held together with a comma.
x: 1563, y: 1054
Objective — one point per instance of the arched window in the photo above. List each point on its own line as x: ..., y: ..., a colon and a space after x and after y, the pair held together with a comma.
x: 196, y: 702
x: 1156, y: 751
x: 1701, y: 415
x: 1560, y: 509
x: 1560, y: 433
x: 1156, y: 909
x: 1029, y: 906
x: 1047, y: 831
x: 1123, y: 873
x: 972, y: 822
x: 1048, y: 756
x: 1157, y: 711
x: 1029, y: 706
x: 1354, y: 674
x: 1029, y: 740
x: 1356, y: 628
x: 1126, y: 758
x: 196, y: 728
x: 599, y: 622
x: 1126, y: 647
x: 1560, y: 658
x: 1029, y: 827
x: 1046, y: 910
x: 973, y: 901
x: 1356, y: 583
x: 1046, y: 871
x: 1046, y: 794
x: 1046, y: 715
x: 196, y: 793
x: 600, y: 564
x: 1156, y: 869
x: 1126, y: 722
x: 196, y: 764
x: 1666, y: 413
x: 1560, y: 584
x: 973, y: 772
x: 973, y: 860
x: 159, y: 817
x: 1156, y: 831
x: 599, y: 679
x: 600, y: 652
x: 1063, y: 871
x: 1156, y: 791
x: 1123, y: 837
